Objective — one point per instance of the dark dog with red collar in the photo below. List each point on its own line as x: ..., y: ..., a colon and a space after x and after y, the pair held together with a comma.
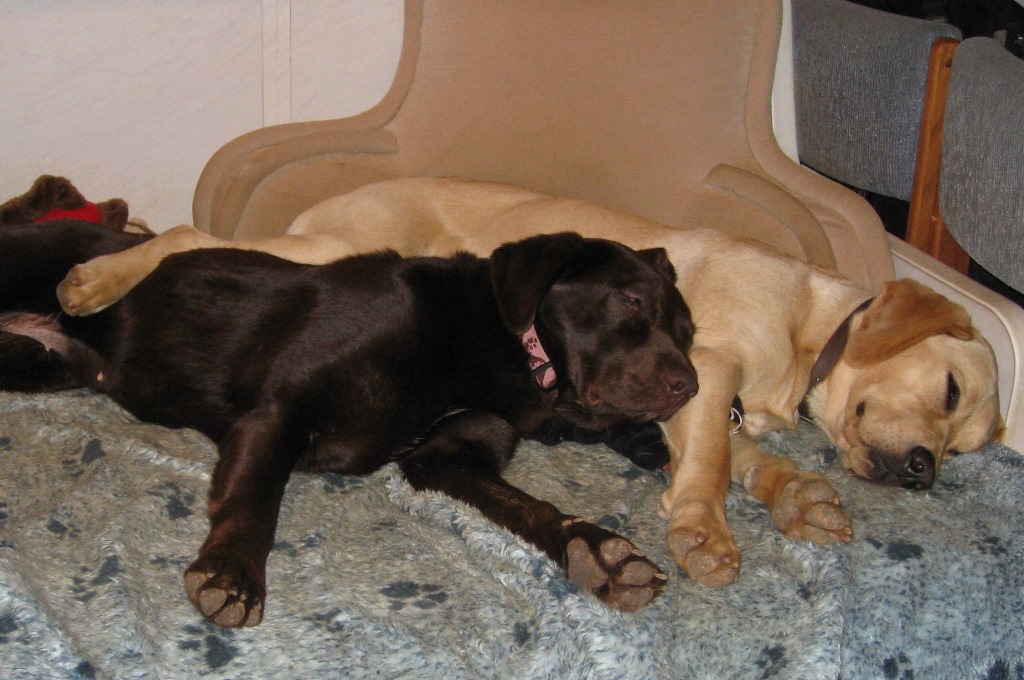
x: 368, y: 360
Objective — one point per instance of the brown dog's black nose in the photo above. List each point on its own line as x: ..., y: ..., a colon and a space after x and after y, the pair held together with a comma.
x: 918, y: 469
x: 682, y: 383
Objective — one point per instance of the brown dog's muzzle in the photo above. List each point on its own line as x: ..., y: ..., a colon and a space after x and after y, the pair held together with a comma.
x: 680, y: 387
x: 655, y: 396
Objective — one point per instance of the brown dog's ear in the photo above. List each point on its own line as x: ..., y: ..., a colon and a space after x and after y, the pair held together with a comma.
x: 904, y: 314
x: 522, y: 273
x: 658, y: 258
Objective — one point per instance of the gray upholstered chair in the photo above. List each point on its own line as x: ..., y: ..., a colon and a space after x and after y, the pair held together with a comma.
x: 860, y: 78
x: 981, y: 193
x: 870, y: 112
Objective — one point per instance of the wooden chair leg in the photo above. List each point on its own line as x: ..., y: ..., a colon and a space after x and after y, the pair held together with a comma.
x: 926, y: 230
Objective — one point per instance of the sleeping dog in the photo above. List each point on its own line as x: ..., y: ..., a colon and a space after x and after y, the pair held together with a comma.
x: 439, y: 364
x: 899, y: 381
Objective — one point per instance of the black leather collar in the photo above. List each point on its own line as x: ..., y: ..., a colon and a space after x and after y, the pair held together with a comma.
x: 830, y: 354
x: 827, y: 359
x: 833, y: 349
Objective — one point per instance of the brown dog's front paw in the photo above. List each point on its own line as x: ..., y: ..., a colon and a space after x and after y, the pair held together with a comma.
x: 611, y: 567
x: 808, y: 508
x: 224, y: 594
x: 703, y: 546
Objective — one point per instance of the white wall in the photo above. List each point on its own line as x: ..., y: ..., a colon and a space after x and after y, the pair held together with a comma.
x: 130, y: 98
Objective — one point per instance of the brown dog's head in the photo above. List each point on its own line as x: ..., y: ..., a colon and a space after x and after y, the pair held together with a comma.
x: 915, y: 384
x: 610, y: 318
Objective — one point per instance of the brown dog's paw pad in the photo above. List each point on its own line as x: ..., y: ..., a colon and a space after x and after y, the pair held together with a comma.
x: 255, y: 614
x: 611, y: 567
x: 637, y: 573
x: 227, y: 601
x: 635, y: 584
x: 194, y: 580
x: 614, y: 550
x: 230, y: 616
x: 632, y: 599
x: 211, y: 600
x: 584, y: 568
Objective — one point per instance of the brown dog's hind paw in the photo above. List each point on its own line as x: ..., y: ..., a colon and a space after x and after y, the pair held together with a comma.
x: 228, y: 601
x: 808, y: 508
x: 703, y: 547
x: 611, y: 567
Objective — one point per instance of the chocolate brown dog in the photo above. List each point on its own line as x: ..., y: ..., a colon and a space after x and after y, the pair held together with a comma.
x: 439, y: 364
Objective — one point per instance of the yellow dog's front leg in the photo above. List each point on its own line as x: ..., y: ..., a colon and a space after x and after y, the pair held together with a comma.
x: 802, y: 503
x: 698, y: 439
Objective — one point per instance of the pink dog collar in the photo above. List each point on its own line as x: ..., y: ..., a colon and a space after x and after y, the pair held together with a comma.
x: 540, y: 365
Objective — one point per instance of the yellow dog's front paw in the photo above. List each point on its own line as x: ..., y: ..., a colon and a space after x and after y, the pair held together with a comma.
x: 808, y: 508
x: 702, y: 545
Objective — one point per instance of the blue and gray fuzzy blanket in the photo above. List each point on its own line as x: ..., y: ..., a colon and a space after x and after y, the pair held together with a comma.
x: 100, y: 514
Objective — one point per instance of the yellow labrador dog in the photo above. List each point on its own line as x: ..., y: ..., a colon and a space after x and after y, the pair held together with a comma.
x: 899, y: 381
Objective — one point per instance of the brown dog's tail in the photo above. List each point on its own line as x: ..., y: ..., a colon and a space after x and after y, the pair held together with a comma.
x: 36, y: 356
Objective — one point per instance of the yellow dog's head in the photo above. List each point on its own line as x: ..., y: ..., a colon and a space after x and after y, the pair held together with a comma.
x: 915, y: 384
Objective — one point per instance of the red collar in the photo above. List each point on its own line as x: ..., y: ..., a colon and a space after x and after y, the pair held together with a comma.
x: 540, y: 365
x: 88, y: 212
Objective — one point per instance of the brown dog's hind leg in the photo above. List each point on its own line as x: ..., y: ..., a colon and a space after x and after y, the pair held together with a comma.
x: 802, y: 503
x: 464, y: 457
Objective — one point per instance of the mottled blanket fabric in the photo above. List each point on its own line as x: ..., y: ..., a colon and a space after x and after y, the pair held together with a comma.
x: 100, y: 514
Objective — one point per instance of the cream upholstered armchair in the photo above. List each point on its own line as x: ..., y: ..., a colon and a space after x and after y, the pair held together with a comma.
x: 656, y: 107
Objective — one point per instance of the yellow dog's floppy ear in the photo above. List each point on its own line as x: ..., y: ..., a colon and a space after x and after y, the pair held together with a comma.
x: 903, y: 314
x: 1000, y: 429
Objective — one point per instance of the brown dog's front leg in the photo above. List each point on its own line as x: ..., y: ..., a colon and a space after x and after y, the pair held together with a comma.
x: 464, y: 458
x: 803, y: 504
x: 227, y: 582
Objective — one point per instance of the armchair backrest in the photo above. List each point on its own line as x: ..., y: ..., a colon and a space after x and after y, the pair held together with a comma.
x: 628, y: 103
x: 660, y: 108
